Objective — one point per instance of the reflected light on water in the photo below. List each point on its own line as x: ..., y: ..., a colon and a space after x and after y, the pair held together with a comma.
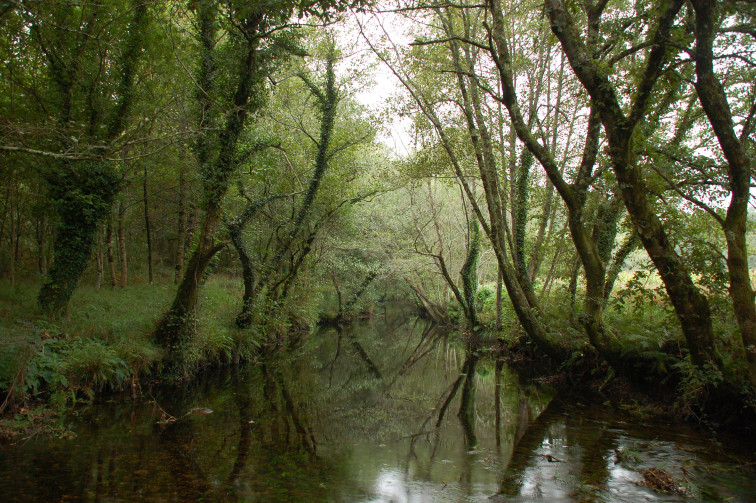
x: 391, y: 487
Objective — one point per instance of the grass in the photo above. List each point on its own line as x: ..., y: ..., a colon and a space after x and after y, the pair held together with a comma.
x: 104, y: 343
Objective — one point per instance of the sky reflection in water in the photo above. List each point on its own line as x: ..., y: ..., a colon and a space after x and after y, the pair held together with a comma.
x: 371, y: 413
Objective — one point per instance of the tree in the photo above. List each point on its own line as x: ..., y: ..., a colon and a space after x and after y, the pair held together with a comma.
x: 257, y: 36
x: 709, y: 17
x: 622, y: 130
x: 89, y: 92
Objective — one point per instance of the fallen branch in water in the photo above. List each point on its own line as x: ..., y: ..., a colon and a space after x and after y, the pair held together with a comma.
x: 166, y: 418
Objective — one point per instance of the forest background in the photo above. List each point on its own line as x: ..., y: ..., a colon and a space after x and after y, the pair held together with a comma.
x: 184, y: 183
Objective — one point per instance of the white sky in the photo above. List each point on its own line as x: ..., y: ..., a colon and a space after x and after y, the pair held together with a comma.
x: 395, y: 133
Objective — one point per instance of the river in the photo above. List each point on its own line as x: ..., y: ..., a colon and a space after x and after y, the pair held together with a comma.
x: 387, y: 410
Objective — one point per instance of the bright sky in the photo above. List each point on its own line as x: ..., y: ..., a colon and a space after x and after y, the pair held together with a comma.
x: 385, y: 86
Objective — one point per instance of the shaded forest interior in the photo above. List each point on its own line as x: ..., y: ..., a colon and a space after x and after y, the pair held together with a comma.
x: 183, y: 184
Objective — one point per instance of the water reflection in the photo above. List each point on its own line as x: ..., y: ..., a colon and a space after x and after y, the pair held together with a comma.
x: 588, y: 454
x: 391, y: 410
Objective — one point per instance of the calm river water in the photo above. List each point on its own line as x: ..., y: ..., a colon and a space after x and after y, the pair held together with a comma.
x: 391, y: 410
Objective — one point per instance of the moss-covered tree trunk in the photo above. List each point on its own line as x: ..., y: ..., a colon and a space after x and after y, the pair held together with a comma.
x: 469, y: 272
x: 691, y: 306
x: 739, y: 164
x: 81, y: 207
x: 82, y: 192
x: 177, y: 326
x: 235, y: 229
x: 217, y: 162
x: 327, y: 100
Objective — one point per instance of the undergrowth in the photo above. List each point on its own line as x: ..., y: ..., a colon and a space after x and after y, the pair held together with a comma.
x: 103, y: 344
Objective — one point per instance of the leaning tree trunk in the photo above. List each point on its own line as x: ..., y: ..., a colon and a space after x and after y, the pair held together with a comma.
x: 176, y: 327
x: 217, y: 163
x: 574, y: 196
x: 691, y: 306
x: 714, y: 102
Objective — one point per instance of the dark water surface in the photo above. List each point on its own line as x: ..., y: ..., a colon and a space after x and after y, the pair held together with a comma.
x: 392, y: 410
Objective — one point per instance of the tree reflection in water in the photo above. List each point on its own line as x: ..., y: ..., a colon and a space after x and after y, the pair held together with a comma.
x: 389, y: 410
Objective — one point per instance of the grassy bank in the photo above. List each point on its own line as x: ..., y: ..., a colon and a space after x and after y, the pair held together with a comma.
x: 103, y: 344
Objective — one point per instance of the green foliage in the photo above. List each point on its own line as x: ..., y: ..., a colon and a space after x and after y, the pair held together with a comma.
x: 641, y: 289
x: 82, y: 195
x: 696, y: 386
x: 105, y: 344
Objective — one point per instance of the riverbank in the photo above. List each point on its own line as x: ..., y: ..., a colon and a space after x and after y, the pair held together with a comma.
x: 103, y: 347
x: 104, y: 343
x: 374, y: 411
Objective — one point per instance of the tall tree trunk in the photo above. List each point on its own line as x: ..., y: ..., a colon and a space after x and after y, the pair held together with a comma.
x: 147, y: 230
x: 469, y: 272
x: 42, y: 244
x: 99, y: 260
x: 83, y: 191
x: 122, y: 244
x: 182, y: 228
x: 12, y: 242
x: 498, y: 298
x: 691, y: 306
x: 4, y: 216
x: 739, y: 164
x: 110, y: 251
x: 327, y: 100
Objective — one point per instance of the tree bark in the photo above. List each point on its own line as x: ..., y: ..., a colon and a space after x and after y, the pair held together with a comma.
x: 176, y: 327
x: 691, y: 306
x: 12, y: 244
x: 182, y: 228
x: 147, y: 230
x: 111, y: 254
x: 99, y: 260
x: 714, y: 102
x: 498, y: 298
x: 122, y: 245
x: 42, y: 244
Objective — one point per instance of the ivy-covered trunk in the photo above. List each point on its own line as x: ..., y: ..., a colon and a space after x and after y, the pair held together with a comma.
x: 176, y: 327
x: 82, y: 191
x: 82, y: 202
x: 217, y: 160
x: 469, y: 272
